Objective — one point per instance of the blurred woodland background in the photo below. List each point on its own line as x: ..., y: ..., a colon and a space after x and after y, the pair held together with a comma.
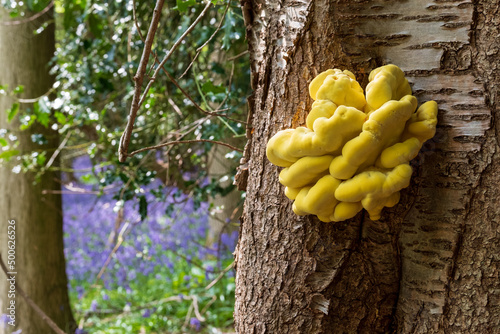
x: 148, y: 242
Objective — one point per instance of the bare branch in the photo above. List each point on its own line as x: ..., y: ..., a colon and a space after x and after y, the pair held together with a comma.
x: 28, y: 19
x: 135, y: 21
x: 198, y: 50
x: 218, y: 278
x: 185, y: 142
x: 136, y: 103
x: 56, y: 152
x: 196, y: 105
x: 174, y: 47
x: 238, y: 55
x: 138, y: 78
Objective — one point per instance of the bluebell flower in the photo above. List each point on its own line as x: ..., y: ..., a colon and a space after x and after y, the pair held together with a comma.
x: 195, y: 323
x: 93, y: 306
x: 146, y: 313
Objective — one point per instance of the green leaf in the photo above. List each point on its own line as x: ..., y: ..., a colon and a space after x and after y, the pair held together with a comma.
x: 6, y: 155
x: 61, y: 119
x: 14, y: 13
x: 27, y: 123
x: 143, y: 207
x: 88, y: 178
x: 209, y: 87
x: 40, y: 159
x: 12, y: 112
x: 19, y: 89
x: 95, y: 25
x: 3, y: 142
x: 42, y: 112
x: 30, y: 4
x: 183, y: 5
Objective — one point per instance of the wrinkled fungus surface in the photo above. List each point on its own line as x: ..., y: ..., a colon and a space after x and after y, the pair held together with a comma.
x: 355, y: 150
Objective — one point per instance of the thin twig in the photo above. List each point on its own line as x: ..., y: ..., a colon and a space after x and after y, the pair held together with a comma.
x: 28, y: 19
x: 185, y: 142
x: 135, y: 21
x: 196, y: 105
x: 175, y: 106
x: 58, y: 150
x: 113, y: 251
x: 198, y: 50
x: 32, y: 304
x: 218, y: 278
x: 196, y: 309
x: 238, y: 56
x: 205, y: 309
x: 174, y: 47
x: 35, y: 99
x: 69, y: 192
x: 138, y: 78
x: 188, y: 315
x: 136, y: 103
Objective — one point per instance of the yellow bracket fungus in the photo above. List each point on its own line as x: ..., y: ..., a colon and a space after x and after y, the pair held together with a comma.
x: 354, y: 152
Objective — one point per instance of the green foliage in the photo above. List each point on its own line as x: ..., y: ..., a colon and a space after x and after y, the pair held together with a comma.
x: 98, y: 52
x: 184, y: 5
x: 12, y: 112
x: 8, y: 154
x: 159, y: 303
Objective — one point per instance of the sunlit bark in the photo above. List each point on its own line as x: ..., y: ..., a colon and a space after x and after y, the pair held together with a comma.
x: 430, y: 265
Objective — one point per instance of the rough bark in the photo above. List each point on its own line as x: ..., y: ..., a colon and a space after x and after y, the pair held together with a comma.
x: 40, y: 264
x: 431, y: 264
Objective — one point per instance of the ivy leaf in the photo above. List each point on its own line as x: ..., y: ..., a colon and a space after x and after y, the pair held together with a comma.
x: 41, y: 112
x: 12, y: 112
x: 19, y: 89
x: 27, y: 123
x: 95, y: 25
x: 61, y: 119
x: 40, y: 159
x: 183, y: 5
x: 209, y: 87
x: 6, y: 155
x: 143, y: 207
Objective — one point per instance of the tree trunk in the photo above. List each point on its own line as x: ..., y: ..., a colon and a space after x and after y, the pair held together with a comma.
x: 431, y: 264
x: 40, y: 264
x: 225, y: 210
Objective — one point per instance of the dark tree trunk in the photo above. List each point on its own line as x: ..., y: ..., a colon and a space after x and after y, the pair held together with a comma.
x: 431, y: 264
x: 40, y: 265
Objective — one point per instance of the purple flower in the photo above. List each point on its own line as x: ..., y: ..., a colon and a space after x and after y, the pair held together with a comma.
x: 195, y: 323
x: 80, y: 331
x: 208, y: 271
x: 146, y: 313
x: 93, y: 306
x: 187, y: 278
x: 105, y: 296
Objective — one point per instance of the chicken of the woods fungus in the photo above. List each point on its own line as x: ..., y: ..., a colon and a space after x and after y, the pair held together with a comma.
x: 355, y: 150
